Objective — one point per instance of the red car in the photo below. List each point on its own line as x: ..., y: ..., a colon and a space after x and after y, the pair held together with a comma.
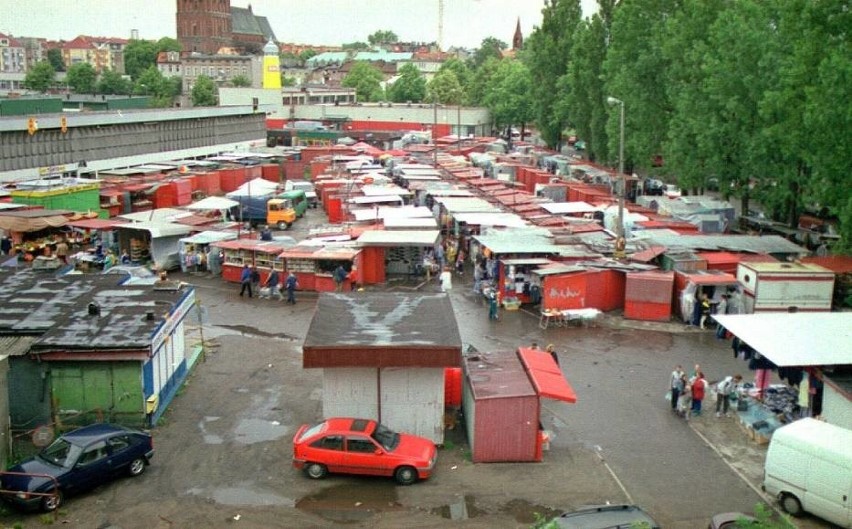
x: 362, y: 446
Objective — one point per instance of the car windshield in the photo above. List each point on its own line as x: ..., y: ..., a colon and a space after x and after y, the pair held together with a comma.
x: 312, y: 431
x: 386, y: 437
x: 61, y: 453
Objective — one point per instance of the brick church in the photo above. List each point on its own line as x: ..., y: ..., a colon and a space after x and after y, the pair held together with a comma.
x: 206, y: 26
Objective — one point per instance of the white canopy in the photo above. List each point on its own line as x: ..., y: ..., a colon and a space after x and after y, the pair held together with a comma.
x: 156, y: 215
x: 213, y: 203
x: 256, y: 187
x: 561, y: 208
x: 795, y: 339
x: 385, y: 212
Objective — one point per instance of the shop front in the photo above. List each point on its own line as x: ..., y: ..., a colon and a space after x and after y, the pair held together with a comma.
x: 395, y: 252
x: 157, y: 243
x: 252, y: 252
x: 314, y: 266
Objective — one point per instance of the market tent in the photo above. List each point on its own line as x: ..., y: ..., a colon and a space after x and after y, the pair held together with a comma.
x: 399, y: 238
x: 795, y: 339
x: 155, y: 215
x: 561, y: 208
x: 256, y: 187
x: 213, y: 203
x: 16, y: 220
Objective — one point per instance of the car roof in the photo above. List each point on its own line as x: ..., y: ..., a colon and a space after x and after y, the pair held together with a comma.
x: 93, y: 432
x: 350, y: 424
x: 605, y: 517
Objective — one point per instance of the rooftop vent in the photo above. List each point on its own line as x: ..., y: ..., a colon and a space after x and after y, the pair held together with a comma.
x: 149, y: 316
x: 94, y: 309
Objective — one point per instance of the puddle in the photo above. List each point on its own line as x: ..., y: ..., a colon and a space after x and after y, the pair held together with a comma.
x: 250, y: 431
x: 209, y: 438
x: 463, y: 509
x: 352, y: 503
x: 242, y: 496
x: 245, y: 330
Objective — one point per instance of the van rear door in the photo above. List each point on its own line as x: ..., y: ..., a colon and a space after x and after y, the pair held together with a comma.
x: 828, y: 491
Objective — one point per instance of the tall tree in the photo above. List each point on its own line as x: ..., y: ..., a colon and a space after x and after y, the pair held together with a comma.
x: 40, y: 77
x: 204, y: 92
x: 112, y: 82
x: 581, y: 99
x: 54, y: 57
x: 411, y: 85
x: 509, y: 97
x: 162, y: 90
x: 481, y: 80
x: 461, y: 71
x: 81, y: 77
x: 382, y: 37
x: 139, y: 55
x: 491, y: 47
x: 445, y: 88
x: 546, y: 53
x: 168, y: 44
x: 366, y: 79
x: 355, y: 46
x: 240, y: 81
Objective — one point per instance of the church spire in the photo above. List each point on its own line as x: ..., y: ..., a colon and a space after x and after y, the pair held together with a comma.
x: 518, y: 39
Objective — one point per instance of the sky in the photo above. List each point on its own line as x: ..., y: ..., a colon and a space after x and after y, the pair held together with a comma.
x: 332, y: 22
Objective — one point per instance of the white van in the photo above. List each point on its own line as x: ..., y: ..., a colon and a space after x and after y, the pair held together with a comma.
x: 809, y: 468
x: 303, y: 185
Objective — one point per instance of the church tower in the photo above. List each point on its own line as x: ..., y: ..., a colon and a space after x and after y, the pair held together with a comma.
x: 518, y: 39
x: 204, y: 26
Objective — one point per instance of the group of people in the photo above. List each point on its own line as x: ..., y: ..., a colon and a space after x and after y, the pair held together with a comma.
x: 273, y: 286
x: 687, y: 392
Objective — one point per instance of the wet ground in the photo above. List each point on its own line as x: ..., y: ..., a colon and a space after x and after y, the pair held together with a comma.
x: 223, y: 450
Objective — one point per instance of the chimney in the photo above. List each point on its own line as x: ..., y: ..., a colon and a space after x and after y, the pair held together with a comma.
x: 149, y: 316
x: 94, y: 309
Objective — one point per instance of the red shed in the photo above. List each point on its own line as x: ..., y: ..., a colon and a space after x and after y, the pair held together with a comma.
x: 648, y: 296
x: 573, y: 287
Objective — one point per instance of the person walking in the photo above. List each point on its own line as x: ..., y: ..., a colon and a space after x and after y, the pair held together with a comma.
x: 339, y: 277
x: 446, y: 280
x: 724, y: 389
x: 492, y: 305
x: 705, y: 311
x: 676, y: 385
x: 245, y: 281
x: 290, y: 284
x: 699, y: 385
x: 271, y: 284
x: 255, y: 279
x: 721, y: 309
x: 684, y: 399
x: 551, y: 349
x: 62, y: 251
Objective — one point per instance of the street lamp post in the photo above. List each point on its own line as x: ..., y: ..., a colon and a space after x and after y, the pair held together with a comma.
x: 619, y: 229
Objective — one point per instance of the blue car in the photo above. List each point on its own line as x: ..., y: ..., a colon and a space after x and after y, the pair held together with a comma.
x: 76, y: 461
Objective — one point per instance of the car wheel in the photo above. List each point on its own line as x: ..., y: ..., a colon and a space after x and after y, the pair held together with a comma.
x: 316, y: 471
x: 282, y: 225
x: 405, y: 475
x: 52, y: 502
x: 137, y: 467
x: 791, y: 505
x: 288, y: 225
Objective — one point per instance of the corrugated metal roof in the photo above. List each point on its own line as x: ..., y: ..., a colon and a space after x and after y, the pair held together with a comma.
x: 491, y: 219
x: 161, y: 214
x: 466, y: 205
x: 383, y: 319
x: 206, y: 237
x: 15, y: 345
x: 560, y: 208
x: 397, y: 223
x: 157, y: 229
x: 497, y: 376
x: 518, y: 240
x: 399, y: 238
x: 735, y: 243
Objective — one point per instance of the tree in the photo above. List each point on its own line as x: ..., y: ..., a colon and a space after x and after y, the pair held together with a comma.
x: 490, y: 48
x: 382, y: 37
x: 168, y: 44
x: 286, y: 80
x: 81, y: 78
x: 162, y: 90
x: 481, y: 80
x: 54, y: 57
x: 546, y: 53
x: 240, y: 81
x: 355, y: 46
x: 462, y: 72
x: 40, y: 77
x: 113, y: 83
x: 366, y: 80
x: 306, y: 55
x: 139, y: 55
x: 509, y: 97
x: 411, y: 85
x: 445, y: 88
x: 204, y: 92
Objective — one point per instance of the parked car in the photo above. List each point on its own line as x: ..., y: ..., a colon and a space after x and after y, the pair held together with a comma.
x: 76, y: 461
x: 133, y: 275
x: 606, y: 517
x: 362, y: 446
x: 730, y: 520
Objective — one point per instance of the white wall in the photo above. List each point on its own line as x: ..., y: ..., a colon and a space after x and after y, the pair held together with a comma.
x: 836, y: 408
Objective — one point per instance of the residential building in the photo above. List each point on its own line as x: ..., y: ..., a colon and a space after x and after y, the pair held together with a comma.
x: 169, y: 63
x: 206, y: 26
x: 12, y: 55
x: 103, y: 53
x: 34, y: 49
x: 221, y: 68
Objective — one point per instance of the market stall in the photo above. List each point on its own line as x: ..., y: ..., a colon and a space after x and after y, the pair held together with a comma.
x: 251, y: 252
x: 314, y: 266
x: 195, y: 251
x: 395, y: 252
x: 154, y: 242
x: 34, y: 232
x: 88, y: 239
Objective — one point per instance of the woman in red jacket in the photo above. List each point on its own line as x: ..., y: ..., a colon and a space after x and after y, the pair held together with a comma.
x: 698, y: 387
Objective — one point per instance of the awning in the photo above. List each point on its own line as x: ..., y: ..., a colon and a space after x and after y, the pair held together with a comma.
x: 546, y: 376
x: 213, y: 203
x: 28, y: 224
x: 418, y: 238
x: 647, y: 255
x: 15, y: 345
x: 797, y: 339
x: 94, y: 224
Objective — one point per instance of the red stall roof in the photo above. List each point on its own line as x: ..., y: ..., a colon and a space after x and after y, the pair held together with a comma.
x: 95, y: 224
x: 546, y: 376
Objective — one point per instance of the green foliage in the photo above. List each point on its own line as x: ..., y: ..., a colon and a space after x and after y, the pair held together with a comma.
x: 139, y: 56
x: 40, y: 77
x: 366, y: 80
x: 307, y: 54
x: 481, y: 81
x: 54, y: 57
x: 112, y: 82
x: 168, y: 44
x: 581, y: 92
x: 204, y: 92
x: 491, y: 48
x: 508, y: 97
x: 162, y: 90
x: 445, y: 88
x: 411, y: 85
x: 240, y: 81
x: 286, y: 80
x: 355, y: 46
x: 81, y: 78
x: 382, y: 37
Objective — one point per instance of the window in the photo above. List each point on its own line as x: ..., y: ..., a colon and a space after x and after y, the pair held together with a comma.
x: 119, y: 443
x: 360, y: 445
x: 331, y: 442
x: 93, y: 454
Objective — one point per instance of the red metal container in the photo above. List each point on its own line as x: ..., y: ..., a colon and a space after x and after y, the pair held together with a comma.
x: 594, y: 289
x: 501, y: 409
x: 164, y: 196
x: 228, y: 179
x: 271, y: 172
x: 452, y: 387
x: 253, y: 171
x: 183, y: 192
x: 648, y: 296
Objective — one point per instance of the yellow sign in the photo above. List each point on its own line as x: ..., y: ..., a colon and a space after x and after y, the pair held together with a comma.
x: 32, y: 126
x: 63, y: 124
